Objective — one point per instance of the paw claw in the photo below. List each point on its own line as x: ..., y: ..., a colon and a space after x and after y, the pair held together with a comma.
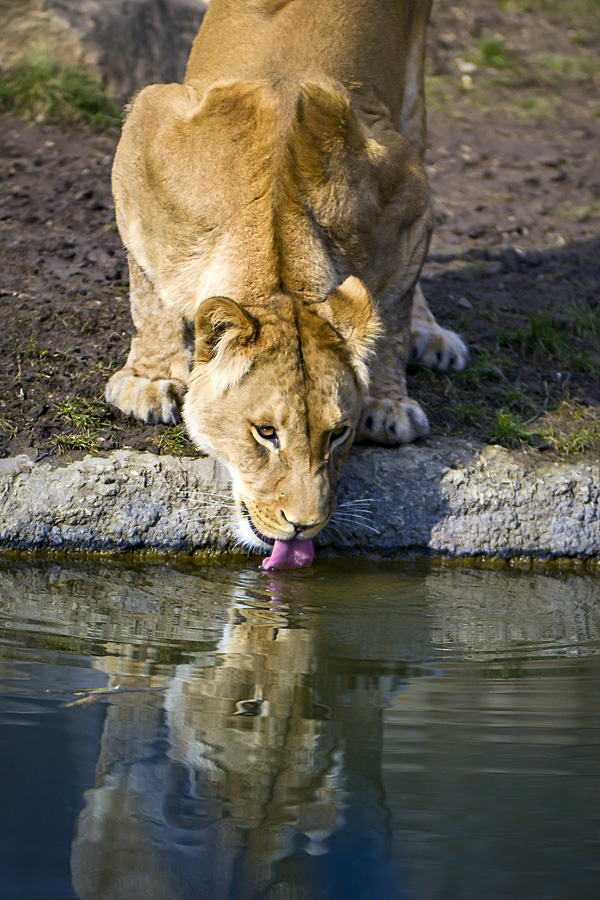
x: 151, y: 400
x: 391, y: 421
x: 438, y: 348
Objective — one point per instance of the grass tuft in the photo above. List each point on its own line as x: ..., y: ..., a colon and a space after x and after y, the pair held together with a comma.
x: 571, y: 428
x: 569, y: 9
x: 174, y: 441
x: 492, y: 52
x: 509, y: 430
x: 572, y: 68
x: 44, y: 90
x: 89, y: 443
x: 540, y: 333
x: 530, y: 105
x: 81, y: 413
x: 32, y: 350
x: 7, y: 428
x: 86, y: 419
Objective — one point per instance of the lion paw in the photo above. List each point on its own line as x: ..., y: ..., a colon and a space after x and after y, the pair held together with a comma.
x: 438, y: 348
x: 151, y: 400
x: 391, y: 421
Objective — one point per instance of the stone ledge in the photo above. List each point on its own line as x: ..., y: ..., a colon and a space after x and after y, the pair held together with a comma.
x: 442, y: 497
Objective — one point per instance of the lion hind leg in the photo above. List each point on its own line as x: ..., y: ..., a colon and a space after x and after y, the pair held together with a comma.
x: 430, y: 344
x: 152, y: 384
x: 412, y: 122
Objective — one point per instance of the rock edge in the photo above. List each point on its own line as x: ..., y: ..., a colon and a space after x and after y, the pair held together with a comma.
x: 446, y: 497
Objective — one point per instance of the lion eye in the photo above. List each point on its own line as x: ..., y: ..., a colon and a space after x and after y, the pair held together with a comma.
x: 267, y: 433
x: 338, y: 434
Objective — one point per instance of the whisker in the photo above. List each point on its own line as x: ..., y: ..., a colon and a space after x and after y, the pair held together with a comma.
x: 224, y: 522
x: 367, y: 528
x: 355, y: 518
x: 370, y: 528
x: 353, y: 514
x: 337, y: 532
x: 241, y: 543
x: 357, y: 522
x: 344, y: 526
x: 215, y: 511
x: 202, y: 489
x: 244, y: 500
x: 200, y: 495
x: 207, y: 491
x: 207, y: 504
x: 246, y: 546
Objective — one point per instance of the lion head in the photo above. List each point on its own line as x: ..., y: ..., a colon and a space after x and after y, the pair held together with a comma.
x: 276, y: 392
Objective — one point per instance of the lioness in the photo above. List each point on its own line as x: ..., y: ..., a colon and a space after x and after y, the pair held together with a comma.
x: 277, y: 215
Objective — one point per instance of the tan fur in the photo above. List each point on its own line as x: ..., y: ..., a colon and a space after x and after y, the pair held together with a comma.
x: 276, y: 202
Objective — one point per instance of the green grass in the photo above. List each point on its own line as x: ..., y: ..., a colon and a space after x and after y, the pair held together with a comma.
x: 499, y: 398
x: 32, y: 350
x: 540, y: 333
x: 492, y: 52
x: 482, y: 368
x: 468, y: 414
x: 174, y: 441
x: 81, y: 413
x: 572, y: 68
x: 44, y: 360
x: 88, y: 443
x: 570, y: 10
x: 582, y: 213
x: 571, y: 428
x: 509, y: 430
x: 7, y: 428
x: 531, y: 105
x: 45, y: 90
x: 440, y: 93
x: 86, y: 419
x: 584, y: 320
x: 570, y: 338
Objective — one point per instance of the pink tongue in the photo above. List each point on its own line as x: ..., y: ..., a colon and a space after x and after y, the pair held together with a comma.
x: 290, y: 555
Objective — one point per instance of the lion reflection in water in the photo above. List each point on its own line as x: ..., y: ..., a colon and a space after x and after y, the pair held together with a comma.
x: 271, y: 783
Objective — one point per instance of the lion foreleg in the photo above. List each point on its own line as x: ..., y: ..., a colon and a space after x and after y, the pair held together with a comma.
x: 153, y: 381
x: 388, y: 415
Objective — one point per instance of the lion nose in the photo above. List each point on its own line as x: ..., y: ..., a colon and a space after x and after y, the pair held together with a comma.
x: 301, y: 526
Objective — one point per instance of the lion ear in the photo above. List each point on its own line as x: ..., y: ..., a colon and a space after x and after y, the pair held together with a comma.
x: 350, y: 311
x: 224, y: 333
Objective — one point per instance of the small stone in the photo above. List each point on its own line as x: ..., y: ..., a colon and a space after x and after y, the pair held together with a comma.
x: 464, y: 303
x: 551, y: 160
x: 477, y: 231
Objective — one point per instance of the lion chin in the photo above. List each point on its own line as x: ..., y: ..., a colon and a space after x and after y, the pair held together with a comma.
x: 276, y: 215
x: 291, y: 553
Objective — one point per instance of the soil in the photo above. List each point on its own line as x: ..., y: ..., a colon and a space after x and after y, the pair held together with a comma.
x: 514, y: 264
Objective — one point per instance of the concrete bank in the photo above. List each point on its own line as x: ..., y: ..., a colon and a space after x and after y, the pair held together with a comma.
x: 443, y: 497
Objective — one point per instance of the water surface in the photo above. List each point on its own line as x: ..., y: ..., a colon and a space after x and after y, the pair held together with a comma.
x: 353, y: 730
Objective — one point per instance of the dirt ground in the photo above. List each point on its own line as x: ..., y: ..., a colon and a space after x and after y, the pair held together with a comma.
x: 514, y: 164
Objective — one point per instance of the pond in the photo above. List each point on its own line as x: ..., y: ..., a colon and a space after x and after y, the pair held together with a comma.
x: 353, y: 730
